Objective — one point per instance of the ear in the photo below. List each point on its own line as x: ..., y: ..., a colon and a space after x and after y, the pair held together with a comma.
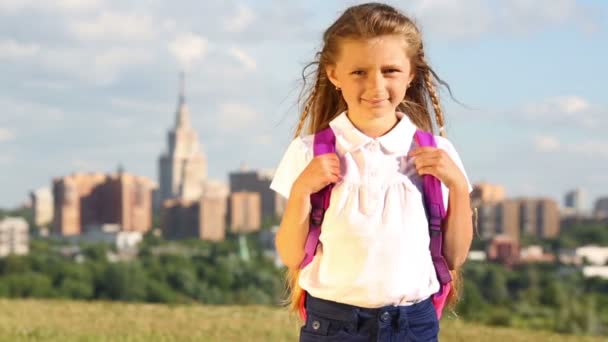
x: 411, y: 78
x: 330, y: 70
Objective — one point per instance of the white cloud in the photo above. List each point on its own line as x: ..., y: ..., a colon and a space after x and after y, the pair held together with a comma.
x: 77, y: 5
x: 586, y: 148
x: 247, y: 61
x: 82, y: 165
x: 545, y: 143
x: 46, y: 84
x: 525, y: 16
x: 115, y: 26
x: 474, y: 18
x: 590, y: 148
x: 132, y: 105
x: 6, y: 134
x: 169, y: 25
x: 569, y: 110
x: 114, y: 59
x: 454, y: 18
x: 13, y: 6
x: 568, y: 105
x: 573, y: 104
x: 235, y: 116
x: 12, y: 49
x: 97, y: 66
x: 120, y: 122
x: 240, y: 21
x: 6, y: 159
x: 188, y: 48
x: 264, y: 140
x: 20, y: 111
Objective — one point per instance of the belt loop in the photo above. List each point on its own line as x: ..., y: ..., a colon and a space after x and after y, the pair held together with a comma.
x: 355, y: 322
x: 402, y: 321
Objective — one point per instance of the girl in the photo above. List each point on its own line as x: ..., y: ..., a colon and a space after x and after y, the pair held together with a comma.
x: 372, y: 276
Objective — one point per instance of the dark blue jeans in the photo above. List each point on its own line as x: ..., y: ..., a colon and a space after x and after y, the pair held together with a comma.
x: 331, y: 321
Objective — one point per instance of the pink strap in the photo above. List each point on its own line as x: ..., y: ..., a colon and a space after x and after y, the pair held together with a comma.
x: 324, y: 142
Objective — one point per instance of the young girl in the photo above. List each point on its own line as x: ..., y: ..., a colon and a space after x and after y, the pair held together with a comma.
x: 372, y: 276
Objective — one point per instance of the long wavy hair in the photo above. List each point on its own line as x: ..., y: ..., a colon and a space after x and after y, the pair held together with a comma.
x: 321, y: 101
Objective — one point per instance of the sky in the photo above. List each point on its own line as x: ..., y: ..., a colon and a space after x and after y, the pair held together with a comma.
x: 88, y: 85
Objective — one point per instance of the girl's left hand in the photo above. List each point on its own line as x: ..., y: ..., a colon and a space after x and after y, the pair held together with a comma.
x: 435, y: 161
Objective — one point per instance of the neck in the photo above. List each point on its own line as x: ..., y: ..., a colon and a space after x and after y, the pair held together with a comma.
x: 371, y: 125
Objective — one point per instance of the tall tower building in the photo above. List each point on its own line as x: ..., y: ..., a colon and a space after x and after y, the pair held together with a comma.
x: 600, y: 209
x: 42, y: 203
x: 574, y: 202
x: 183, y: 168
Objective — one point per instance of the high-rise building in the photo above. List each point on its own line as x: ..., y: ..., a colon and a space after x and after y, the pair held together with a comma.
x: 245, y: 211
x: 86, y: 201
x: 538, y: 217
x: 203, y: 219
x: 508, y: 223
x: 14, y: 236
x: 485, y: 193
x: 575, y: 199
x: 574, y: 202
x: 528, y: 217
x: 547, y: 218
x: 183, y: 168
x: 600, y: 209
x: 42, y: 205
x: 272, y: 204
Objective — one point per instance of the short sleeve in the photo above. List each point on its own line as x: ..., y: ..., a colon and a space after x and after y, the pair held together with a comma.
x: 447, y: 146
x: 295, y: 160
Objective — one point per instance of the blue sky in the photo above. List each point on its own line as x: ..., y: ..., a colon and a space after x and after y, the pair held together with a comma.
x: 89, y: 84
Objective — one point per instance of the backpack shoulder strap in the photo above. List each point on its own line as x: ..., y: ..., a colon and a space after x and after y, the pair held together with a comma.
x: 433, y: 203
x: 324, y: 142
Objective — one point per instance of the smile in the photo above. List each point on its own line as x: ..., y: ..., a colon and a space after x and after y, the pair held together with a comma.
x: 375, y: 102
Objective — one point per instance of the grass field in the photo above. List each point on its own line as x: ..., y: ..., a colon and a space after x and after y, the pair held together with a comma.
x: 50, y: 320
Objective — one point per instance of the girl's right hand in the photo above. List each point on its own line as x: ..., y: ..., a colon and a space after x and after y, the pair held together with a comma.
x: 320, y: 172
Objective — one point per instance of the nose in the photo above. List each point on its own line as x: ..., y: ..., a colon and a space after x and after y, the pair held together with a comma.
x: 376, y: 82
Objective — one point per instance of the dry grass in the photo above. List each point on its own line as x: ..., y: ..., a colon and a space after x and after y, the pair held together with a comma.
x: 50, y: 320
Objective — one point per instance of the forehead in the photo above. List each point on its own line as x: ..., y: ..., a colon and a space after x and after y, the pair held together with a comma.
x: 390, y: 49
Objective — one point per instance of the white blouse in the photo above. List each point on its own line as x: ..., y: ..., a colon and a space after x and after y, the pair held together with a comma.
x: 374, y: 247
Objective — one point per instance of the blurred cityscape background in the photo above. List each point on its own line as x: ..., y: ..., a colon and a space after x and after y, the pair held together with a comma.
x: 137, y: 146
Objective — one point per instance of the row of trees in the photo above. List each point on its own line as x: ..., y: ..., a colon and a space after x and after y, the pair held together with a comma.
x: 186, y: 272
x: 541, y: 296
x: 536, y: 296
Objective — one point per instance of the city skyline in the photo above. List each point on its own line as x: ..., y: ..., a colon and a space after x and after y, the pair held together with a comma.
x: 96, y: 85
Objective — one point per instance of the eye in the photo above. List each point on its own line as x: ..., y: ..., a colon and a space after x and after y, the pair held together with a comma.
x: 391, y: 71
x: 358, y: 73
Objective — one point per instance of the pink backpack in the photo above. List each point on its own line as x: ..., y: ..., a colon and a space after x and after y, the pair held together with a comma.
x: 325, y: 142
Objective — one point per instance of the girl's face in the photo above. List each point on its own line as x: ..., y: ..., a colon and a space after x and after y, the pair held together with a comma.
x: 373, y: 75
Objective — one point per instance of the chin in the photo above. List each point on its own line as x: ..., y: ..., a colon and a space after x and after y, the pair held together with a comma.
x: 381, y: 110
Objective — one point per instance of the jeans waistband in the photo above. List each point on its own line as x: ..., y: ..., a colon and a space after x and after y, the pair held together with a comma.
x: 346, y: 312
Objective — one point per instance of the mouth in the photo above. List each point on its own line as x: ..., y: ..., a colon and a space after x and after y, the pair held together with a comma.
x: 375, y: 102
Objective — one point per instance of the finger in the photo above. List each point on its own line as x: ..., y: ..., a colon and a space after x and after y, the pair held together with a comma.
x: 326, y: 164
x: 422, y: 150
x: 331, y: 173
x: 331, y: 168
x: 335, y: 170
x: 421, y: 162
x: 326, y: 158
x: 330, y: 156
x: 330, y: 179
x: 428, y: 171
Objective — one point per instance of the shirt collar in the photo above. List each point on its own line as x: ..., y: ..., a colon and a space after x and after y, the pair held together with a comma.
x: 351, y: 139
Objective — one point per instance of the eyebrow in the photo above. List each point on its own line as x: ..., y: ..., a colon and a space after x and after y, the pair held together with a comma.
x: 388, y: 66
